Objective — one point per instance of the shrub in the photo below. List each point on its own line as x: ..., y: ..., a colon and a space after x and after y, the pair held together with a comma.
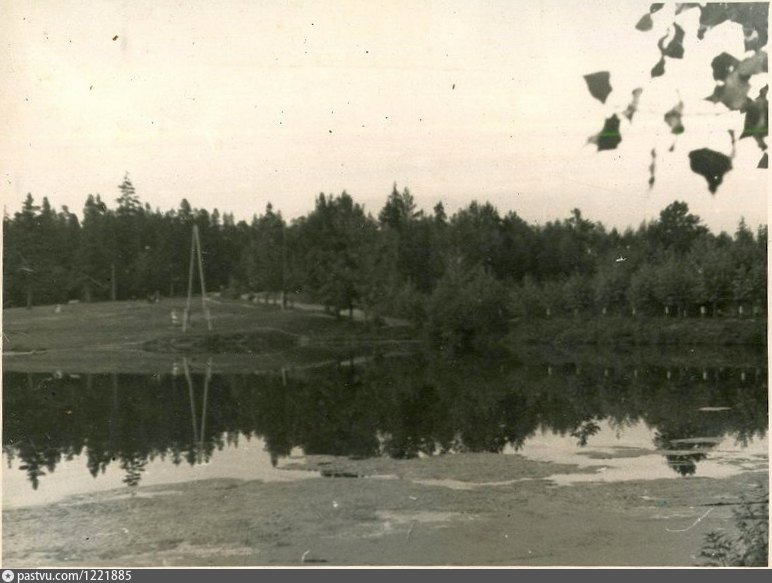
x: 467, y: 311
x: 749, y: 547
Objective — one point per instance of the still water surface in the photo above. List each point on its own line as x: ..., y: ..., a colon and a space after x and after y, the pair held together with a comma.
x: 76, y: 434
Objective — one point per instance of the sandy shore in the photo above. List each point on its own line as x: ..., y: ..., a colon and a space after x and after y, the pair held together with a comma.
x: 450, y: 510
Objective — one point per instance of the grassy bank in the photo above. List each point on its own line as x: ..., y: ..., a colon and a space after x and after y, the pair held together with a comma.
x: 620, y: 332
x: 140, y: 337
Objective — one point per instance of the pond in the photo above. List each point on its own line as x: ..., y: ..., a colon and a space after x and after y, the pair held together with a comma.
x: 76, y: 434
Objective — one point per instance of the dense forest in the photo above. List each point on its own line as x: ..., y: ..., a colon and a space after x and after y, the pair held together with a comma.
x: 475, y: 268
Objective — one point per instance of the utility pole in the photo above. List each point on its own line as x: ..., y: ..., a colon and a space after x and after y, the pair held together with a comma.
x: 113, y: 294
x: 207, y: 380
x: 195, y: 254
x: 283, y: 266
x: 27, y: 271
x: 198, y: 435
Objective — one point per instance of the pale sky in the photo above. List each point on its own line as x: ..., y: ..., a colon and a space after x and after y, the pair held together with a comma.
x: 234, y: 104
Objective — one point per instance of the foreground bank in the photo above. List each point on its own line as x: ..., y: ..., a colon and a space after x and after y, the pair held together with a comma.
x: 396, y: 512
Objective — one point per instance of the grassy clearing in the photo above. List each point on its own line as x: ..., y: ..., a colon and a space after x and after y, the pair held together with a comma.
x: 136, y: 336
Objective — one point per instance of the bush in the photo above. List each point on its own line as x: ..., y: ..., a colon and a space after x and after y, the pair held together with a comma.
x: 577, y: 293
x: 527, y: 299
x: 408, y: 303
x: 750, y: 546
x: 468, y: 311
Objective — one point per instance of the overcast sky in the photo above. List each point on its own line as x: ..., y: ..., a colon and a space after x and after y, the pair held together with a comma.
x: 234, y: 104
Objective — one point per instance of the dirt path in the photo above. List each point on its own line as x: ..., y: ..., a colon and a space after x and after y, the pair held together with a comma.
x: 357, y: 314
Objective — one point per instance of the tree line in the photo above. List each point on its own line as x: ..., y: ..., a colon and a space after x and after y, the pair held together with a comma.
x: 426, y: 266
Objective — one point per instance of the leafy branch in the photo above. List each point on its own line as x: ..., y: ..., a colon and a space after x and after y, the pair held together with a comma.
x: 731, y: 74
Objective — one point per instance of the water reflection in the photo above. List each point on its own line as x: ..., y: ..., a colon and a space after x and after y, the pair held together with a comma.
x: 400, y: 407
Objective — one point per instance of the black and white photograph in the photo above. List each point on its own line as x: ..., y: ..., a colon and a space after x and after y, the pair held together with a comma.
x: 386, y: 283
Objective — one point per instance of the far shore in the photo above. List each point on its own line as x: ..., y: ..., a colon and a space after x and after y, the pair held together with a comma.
x: 137, y: 336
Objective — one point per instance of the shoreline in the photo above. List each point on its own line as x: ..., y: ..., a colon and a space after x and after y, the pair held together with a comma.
x: 624, y: 332
x: 408, y: 519
x: 115, y: 337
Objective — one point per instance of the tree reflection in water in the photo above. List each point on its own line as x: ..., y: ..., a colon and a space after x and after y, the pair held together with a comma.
x: 399, y: 407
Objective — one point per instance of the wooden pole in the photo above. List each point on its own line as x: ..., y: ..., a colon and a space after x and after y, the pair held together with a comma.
x: 113, y: 287
x: 196, y: 257
x: 204, y: 305
x: 114, y: 415
x: 192, y: 399
x: 283, y: 267
x: 186, y: 315
x: 203, y: 410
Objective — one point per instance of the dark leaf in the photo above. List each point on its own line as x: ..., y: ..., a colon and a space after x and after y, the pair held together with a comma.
x: 754, y: 18
x: 752, y: 39
x: 757, y: 118
x: 652, y: 168
x: 656, y: 7
x: 599, y: 85
x: 675, y: 48
x: 722, y: 65
x: 715, y: 97
x: 609, y: 137
x: 711, y: 14
x: 673, y: 118
x: 683, y: 6
x: 753, y: 65
x: 734, y: 144
x: 734, y: 92
x: 764, y: 162
x: 710, y: 164
x: 632, y: 107
x: 645, y: 23
x: 659, y: 69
